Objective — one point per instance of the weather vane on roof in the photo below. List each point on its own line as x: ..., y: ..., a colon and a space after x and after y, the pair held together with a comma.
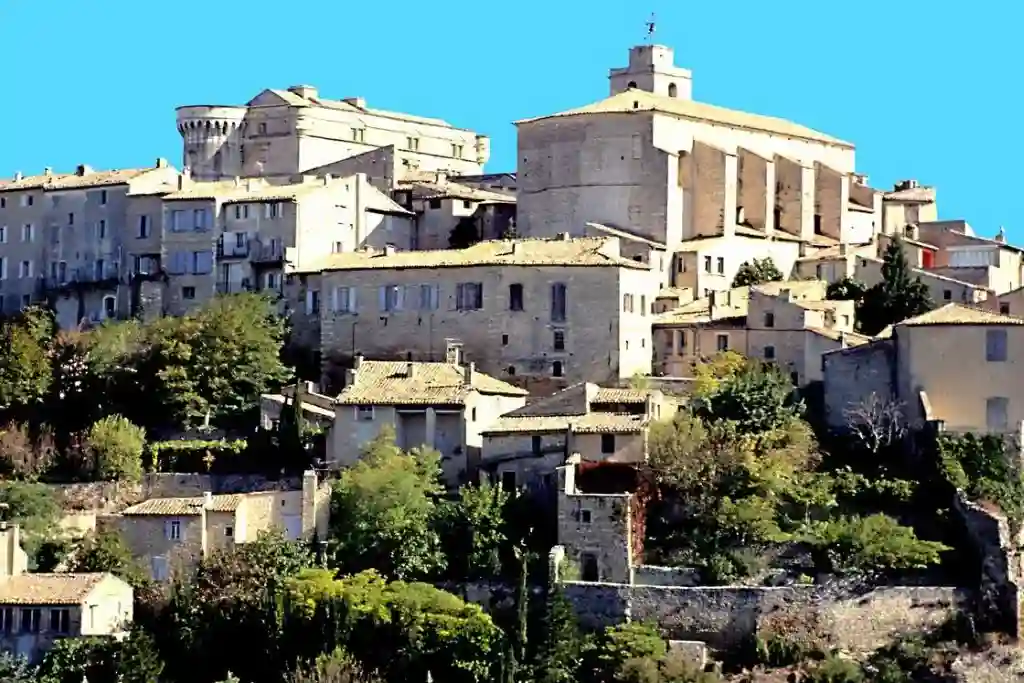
x: 650, y: 28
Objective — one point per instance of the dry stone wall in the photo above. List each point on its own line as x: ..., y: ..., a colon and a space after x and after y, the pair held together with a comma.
x: 107, y: 497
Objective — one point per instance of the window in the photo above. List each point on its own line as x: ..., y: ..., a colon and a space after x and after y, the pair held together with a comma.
x: 30, y: 618
x: 707, y: 264
x: 28, y: 232
x: 412, y: 144
x: 558, y: 302
x: 6, y: 620
x: 721, y: 265
x: 817, y: 272
x: 200, y: 219
x: 680, y: 341
x: 607, y: 443
x: 508, y: 481
x: 469, y: 296
x: 588, y: 567
x: 26, y: 269
x: 769, y: 353
x: 229, y: 531
x: 643, y: 305
x: 627, y: 303
x: 262, y: 129
x: 558, y: 342
x: 769, y: 319
x: 947, y: 295
x: 188, y: 293
x: 312, y: 302
x: 3, y: 202
x: 535, y: 443
x: 817, y: 224
x: 722, y: 342
x: 586, y: 516
x: 159, y: 567
x: 391, y: 298
x: 997, y: 410
x: 995, y: 346
x: 345, y: 300
x: 794, y: 377
x: 274, y: 281
x: 429, y: 295
x: 103, y: 197
x: 109, y: 306
x: 1004, y: 308
x: 172, y: 530
x: 434, y: 203
x: 27, y: 200
x: 3, y: 268
x: 60, y: 621
x: 556, y: 369
x: 101, y: 229
x: 26, y: 300
x: 515, y: 297
x: 202, y: 262
x: 364, y: 413
x: 358, y: 135
x: 273, y: 210
x: 143, y: 229
x: 3, y: 234
x: 504, y: 340
x: 99, y: 268
x: 457, y: 151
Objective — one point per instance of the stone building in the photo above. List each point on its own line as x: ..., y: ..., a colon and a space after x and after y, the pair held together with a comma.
x: 444, y: 406
x: 651, y: 160
x: 791, y: 324
x: 169, y: 536
x: 238, y: 235
x: 541, y: 312
x: 524, y: 447
x: 958, y: 365
x: 64, y: 237
x: 441, y: 205
x: 286, y: 132
x: 36, y: 610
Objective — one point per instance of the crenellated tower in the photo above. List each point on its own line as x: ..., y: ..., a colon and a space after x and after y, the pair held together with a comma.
x: 212, y: 140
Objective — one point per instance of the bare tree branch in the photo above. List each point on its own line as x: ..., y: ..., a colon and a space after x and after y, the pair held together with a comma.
x: 877, y: 422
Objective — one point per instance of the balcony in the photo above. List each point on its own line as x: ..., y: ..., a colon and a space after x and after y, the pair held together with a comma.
x: 230, y: 248
x: 234, y: 287
x: 107, y: 275
x: 269, y: 251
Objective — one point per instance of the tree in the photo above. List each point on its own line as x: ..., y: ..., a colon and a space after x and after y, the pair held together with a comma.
x: 16, y: 669
x: 25, y: 372
x: 23, y: 456
x: 465, y: 234
x: 561, y: 645
x: 336, y: 666
x: 877, y: 423
x: 116, y: 446
x: 757, y: 397
x: 382, y: 511
x: 472, y: 531
x: 106, y: 552
x: 855, y: 545
x: 847, y: 289
x: 897, y: 297
x: 619, y: 649
x: 33, y: 507
x: 757, y: 272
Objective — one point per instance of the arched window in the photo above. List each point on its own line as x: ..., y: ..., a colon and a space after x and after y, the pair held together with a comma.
x: 109, y: 306
x: 673, y: 91
x: 631, y: 84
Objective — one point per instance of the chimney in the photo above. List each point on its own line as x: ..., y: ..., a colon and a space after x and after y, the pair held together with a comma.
x: 238, y: 181
x: 305, y: 91
x: 311, y: 387
x: 452, y: 352
x: 161, y: 162
x: 327, y: 179
x: 842, y: 340
x: 83, y: 170
x: 1001, y: 235
x: 48, y: 171
x: 410, y: 370
x: 13, y: 560
x: 469, y: 373
x: 515, y: 248
x: 207, y: 500
x: 843, y: 247
x: 357, y: 102
x: 18, y: 176
x: 389, y: 250
x: 565, y: 237
x: 440, y: 177
x: 357, y: 361
x: 712, y: 300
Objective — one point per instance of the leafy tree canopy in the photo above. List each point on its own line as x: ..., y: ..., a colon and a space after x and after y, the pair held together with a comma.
x: 757, y: 272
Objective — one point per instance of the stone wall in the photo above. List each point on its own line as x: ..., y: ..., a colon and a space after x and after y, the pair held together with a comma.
x: 114, y: 496
x: 1001, y: 573
x: 725, y: 616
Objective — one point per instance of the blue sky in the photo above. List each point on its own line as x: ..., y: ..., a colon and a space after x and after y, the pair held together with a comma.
x: 925, y: 90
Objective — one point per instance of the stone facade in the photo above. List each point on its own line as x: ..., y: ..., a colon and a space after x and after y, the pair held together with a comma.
x: 284, y: 132
x: 562, y: 309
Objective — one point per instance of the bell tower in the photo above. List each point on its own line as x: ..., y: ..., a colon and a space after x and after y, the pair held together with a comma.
x: 652, y: 68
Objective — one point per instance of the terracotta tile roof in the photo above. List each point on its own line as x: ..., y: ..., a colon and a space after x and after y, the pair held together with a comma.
x: 852, y: 338
x: 609, y: 423
x: 626, y: 235
x: 580, y: 251
x: 389, y: 383
x: 73, y: 181
x: 615, y: 395
x: 634, y: 101
x: 452, y: 190
x: 917, y: 195
x: 293, y: 99
x: 675, y: 293
x: 590, y: 423
x: 959, y: 314
x: 228, y: 191
x: 49, y: 589
x: 182, y: 507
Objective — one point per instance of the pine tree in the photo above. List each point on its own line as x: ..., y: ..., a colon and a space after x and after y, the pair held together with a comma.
x: 897, y: 297
x: 559, y: 653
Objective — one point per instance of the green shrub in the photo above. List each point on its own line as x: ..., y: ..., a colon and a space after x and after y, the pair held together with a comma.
x: 116, y: 446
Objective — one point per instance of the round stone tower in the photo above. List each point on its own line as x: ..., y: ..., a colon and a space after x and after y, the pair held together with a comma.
x: 212, y: 140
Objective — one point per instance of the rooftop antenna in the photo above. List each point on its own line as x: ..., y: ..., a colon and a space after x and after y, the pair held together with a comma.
x: 650, y: 29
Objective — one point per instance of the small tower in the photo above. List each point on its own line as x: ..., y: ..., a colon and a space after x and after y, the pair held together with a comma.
x: 652, y: 68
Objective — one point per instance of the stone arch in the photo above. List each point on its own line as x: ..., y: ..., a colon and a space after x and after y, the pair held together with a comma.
x: 673, y: 90
x: 632, y: 85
